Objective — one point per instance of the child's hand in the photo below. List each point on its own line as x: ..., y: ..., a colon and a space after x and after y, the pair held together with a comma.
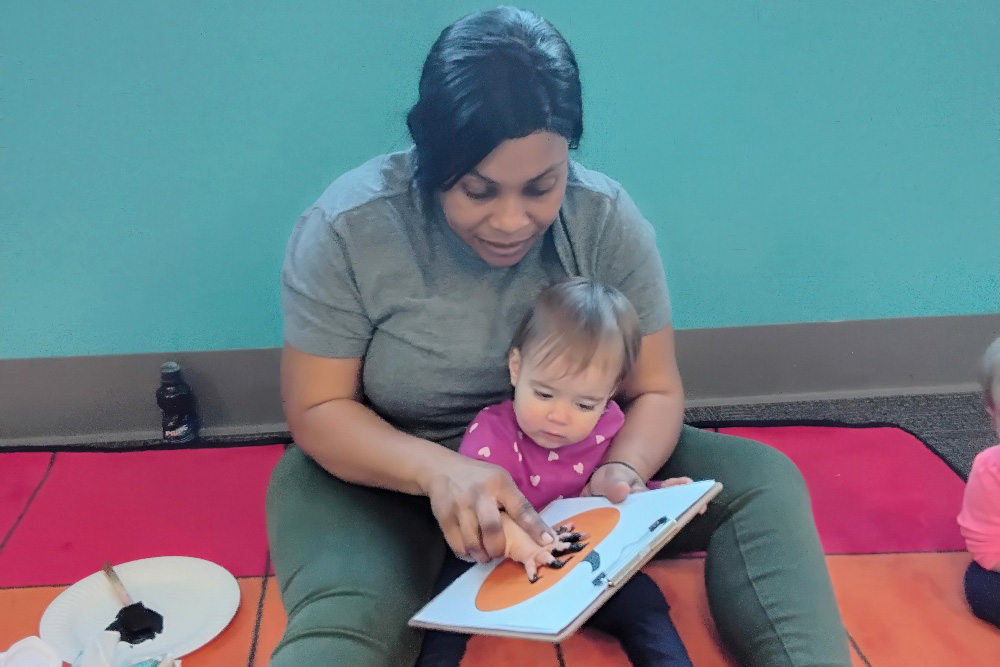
x: 614, y: 480
x: 524, y: 550
x: 675, y: 481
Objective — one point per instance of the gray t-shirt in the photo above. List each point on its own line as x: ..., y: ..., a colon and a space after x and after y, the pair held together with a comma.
x: 373, y: 271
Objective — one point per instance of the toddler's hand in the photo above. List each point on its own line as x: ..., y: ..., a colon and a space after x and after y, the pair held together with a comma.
x: 677, y: 481
x: 615, y: 481
x: 524, y: 550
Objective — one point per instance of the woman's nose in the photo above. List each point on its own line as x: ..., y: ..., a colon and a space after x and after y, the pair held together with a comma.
x: 511, y: 216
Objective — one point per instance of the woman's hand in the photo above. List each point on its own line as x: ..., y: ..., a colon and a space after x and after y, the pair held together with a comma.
x: 467, y: 497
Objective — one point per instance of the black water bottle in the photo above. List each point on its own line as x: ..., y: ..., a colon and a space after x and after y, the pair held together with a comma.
x: 180, y: 422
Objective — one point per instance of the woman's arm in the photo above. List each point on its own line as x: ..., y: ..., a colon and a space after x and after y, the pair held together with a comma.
x: 654, y: 413
x: 321, y: 402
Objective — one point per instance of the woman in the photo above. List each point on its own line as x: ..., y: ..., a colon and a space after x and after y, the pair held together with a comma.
x: 402, y: 286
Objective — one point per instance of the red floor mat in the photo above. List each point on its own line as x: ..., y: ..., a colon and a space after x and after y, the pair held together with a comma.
x: 874, y: 490
x: 95, y: 506
x: 20, y: 473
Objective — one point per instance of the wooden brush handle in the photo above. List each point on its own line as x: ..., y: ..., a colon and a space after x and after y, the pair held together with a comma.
x: 117, y: 585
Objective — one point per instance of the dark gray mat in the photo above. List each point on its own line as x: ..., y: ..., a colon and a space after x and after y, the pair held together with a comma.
x: 955, y: 426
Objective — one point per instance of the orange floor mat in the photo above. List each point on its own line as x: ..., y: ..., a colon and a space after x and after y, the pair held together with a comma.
x: 909, y: 609
x: 900, y: 610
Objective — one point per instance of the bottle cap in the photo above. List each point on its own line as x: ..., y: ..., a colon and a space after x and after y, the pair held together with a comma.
x: 170, y: 372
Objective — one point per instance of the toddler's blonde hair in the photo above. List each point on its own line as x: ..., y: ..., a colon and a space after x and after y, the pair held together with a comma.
x: 989, y: 374
x: 573, y: 319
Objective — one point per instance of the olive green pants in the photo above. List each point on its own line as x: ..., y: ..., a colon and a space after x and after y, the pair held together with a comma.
x: 354, y: 563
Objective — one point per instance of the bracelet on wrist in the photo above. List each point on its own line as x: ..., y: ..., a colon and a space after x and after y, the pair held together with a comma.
x: 621, y: 463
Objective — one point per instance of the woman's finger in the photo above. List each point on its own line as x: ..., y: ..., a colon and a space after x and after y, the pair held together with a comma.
x: 490, y: 527
x: 451, y: 530
x: 524, y: 515
x: 471, y: 540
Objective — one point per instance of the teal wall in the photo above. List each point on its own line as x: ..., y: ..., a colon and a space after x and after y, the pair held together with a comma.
x: 803, y: 161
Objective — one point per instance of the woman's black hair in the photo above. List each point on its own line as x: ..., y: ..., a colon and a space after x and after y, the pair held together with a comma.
x: 491, y: 76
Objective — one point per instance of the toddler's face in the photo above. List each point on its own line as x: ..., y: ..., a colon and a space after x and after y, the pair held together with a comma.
x: 556, y: 408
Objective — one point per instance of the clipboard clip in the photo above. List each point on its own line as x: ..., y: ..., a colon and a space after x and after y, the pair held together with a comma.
x: 602, y: 579
x: 661, y: 525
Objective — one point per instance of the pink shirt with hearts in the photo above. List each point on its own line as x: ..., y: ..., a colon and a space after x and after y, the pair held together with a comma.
x: 541, y: 474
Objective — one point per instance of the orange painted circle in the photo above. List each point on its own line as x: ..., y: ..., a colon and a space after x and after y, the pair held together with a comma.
x: 508, y: 585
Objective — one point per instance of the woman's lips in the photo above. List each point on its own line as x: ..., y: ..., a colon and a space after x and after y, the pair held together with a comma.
x: 506, y: 248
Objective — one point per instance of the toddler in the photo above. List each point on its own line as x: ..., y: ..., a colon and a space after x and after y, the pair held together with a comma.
x: 979, y: 519
x: 568, y: 356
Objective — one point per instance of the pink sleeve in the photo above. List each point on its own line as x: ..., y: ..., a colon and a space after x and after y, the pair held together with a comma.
x: 484, y: 436
x: 979, y: 519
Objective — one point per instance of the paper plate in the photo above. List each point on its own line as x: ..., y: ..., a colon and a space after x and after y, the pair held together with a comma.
x: 196, y: 597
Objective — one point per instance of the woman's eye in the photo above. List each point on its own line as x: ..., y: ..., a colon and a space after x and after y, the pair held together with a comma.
x: 478, y: 196
x: 535, y: 192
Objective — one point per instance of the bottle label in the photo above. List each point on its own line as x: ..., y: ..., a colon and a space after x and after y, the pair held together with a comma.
x: 181, y: 428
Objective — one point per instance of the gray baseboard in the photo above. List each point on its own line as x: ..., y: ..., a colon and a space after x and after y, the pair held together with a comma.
x: 830, y: 360
x: 109, y: 399
x: 65, y: 401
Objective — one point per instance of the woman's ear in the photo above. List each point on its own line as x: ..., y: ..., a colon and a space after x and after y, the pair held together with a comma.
x: 514, y: 365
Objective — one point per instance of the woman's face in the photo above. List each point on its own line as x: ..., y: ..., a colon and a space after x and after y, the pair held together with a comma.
x: 505, y: 204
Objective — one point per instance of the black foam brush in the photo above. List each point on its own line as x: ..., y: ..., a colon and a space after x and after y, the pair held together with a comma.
x: 135, y: 622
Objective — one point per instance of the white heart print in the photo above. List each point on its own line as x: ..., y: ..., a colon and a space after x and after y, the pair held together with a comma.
x: 535, y: 479
x: 553, y: 456
x: 474, y: 426
x: 599, y: 439
x: 484, y: 452
x: 578, y: 468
